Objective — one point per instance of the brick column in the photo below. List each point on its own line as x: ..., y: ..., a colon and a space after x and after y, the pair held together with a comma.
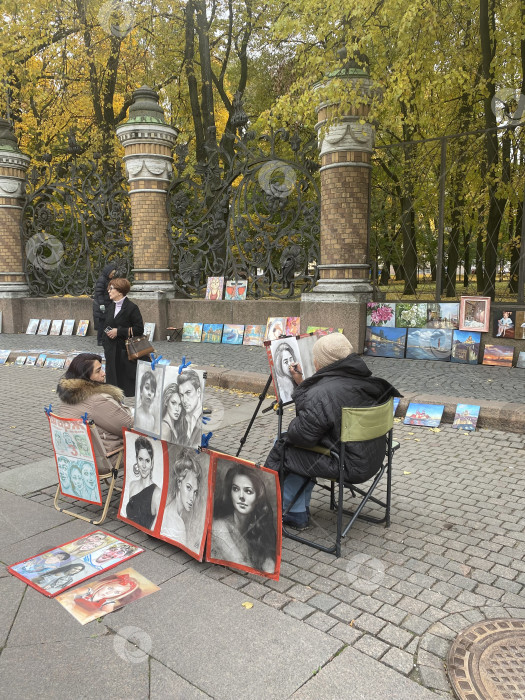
x: 340, y: 296
x: 148, y: 141
x: 13, y: 167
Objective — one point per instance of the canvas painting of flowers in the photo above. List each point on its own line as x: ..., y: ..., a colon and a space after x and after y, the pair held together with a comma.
x: 380, y: 314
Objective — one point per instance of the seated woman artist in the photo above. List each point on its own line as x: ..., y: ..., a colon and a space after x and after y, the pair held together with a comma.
x: 82, y: 390
x: 341, y: 379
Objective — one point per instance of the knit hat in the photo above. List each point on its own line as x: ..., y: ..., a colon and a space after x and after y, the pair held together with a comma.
x: 330, y: 348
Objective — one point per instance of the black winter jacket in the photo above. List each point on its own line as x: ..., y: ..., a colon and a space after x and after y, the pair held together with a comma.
x: 101, y: 296
x: 318, y: 401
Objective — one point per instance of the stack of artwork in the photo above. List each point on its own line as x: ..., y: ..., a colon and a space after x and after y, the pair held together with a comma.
x: 235, y: 334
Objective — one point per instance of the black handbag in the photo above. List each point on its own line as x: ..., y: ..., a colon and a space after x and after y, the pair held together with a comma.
x: 138, y: 346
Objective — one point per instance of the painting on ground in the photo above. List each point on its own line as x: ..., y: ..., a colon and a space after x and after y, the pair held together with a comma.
x: 232, y: 334
x: 43, y: 326
x: 236, y: 290
x: 411, y: 315
x: 323, y: 330
x: 443, y: 315
x: 498, y: 355
x: 466, y: 416
x: 293, y: 325
x: 425, y: 414
x: 521, y: 360
x: 474, y: 314
x: 91, y: 601
x: 82, y: 327
x: 68, y: 326
x: 385, y: 342
x: 504, y: 324
x: 192, y: 332
x: 380, y: 314
x: 520, y: 325
x: 275, y: 328
x: 4, y: 356
x: 465, y: 347
x: 396, y: 404
x: 32, y: 326
x: 56, y: 327
x: 429, y: 344
x: 214, y: 287
x: 55, y: 362
x: 149, y: 331
x: 41, y: 360
x: 245, y: 528
x: 254, y: 335
x: 21, y: 360
x: 212, y: 333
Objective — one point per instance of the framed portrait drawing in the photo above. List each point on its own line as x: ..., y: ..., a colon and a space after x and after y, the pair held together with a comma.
x: 181, y: 406
x: 148, y: 392
x: 184, y: 519
x: 474, y: 314
x: 66, y: 565
x: 245, y: 524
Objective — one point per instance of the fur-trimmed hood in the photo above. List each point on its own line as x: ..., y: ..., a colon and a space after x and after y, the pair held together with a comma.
x: 73, y: 391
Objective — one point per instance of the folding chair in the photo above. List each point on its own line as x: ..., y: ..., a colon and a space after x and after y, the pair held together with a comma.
x: 357, y: 425
x: 79, y: 450
x: 174, y: 334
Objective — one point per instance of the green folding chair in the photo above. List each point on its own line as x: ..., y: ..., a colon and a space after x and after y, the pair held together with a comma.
x: 357, y: 425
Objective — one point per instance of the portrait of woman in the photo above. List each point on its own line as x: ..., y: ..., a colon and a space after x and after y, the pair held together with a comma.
x: 244, y: 521
x: 89, y: 476
x: 144, y: 494
x: 183, y: 491
x: 77, y: 481
x: 174, y: 428
x: 62, y: 577
x: 42, y: 563
x: 146, y: 413
x: 285, y: 354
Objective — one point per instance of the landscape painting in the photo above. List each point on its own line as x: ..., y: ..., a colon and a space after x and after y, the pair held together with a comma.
x: 465, y: 347
x: 425, y: 414
x: 232, y: 334
x: 466, y: 416
x: 192, y: 332
x: 498, y: 355
x: 385, y: 342
x: 429, y: 344
x: 254, y: 335
x: 212, y: 333
x: 443, y: 315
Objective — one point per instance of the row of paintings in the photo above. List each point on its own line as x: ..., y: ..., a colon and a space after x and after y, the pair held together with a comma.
x: 429, y: 415
x: 235, y: 289
x: 237, y: 334
x: 438, y: 344
x: 45, y: 325
x: 41, y: 360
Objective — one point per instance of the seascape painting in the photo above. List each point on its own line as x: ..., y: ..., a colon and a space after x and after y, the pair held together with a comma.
x: 429, y: 344
x: 385, y: 342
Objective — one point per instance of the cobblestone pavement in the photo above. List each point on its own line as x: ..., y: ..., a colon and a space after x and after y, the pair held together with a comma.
x: 506, y: 384
x: 453, y: 555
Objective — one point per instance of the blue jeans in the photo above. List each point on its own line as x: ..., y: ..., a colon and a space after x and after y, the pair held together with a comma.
x: 291, y: 486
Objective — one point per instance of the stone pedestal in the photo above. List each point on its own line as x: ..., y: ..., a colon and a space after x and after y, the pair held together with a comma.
x: 148, y: 141
x: 343, y: 289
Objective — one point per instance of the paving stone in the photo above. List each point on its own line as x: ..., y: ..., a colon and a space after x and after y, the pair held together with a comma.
x: 435, y: 645
x: 300, y: 592
x: 371, y: 646
x: 323, y: 602
x: 321, y: 621
x: 370, y: 623
x: 395, y: 636
x: 298, y: 610
x: 434, y: 678
x: 276, y: 599
x: 399, y: 660
x: 345, y: 612
x: 416, y: 624
x: 346, y: 633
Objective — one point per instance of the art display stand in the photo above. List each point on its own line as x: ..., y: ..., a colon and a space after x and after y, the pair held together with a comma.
x: 272, y: 406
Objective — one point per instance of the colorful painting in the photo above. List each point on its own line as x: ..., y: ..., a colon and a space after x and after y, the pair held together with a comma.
x: 55, y: 362
x: 31, y: 359
x: 474, y: 314
x: 504, y: 324
x: 385, y: 342
x: 21, y: 360
x: 443, y: 315
x: 380, y: 314
x: 465, y: 347
x: 41, y: 359
x: 55, y: 570
x: 498, y: 355
x: 411, y: 315
x: 429, y: 344
x: 293, y: 325
x: 254, y: 335
x: 212, y: 333
x: 91, y: 601
x: 67, y: 328
x: 425, y: 414
x: 245, y: 524
x: 520, y: 325
x: 214, y: 287
x: 192, y: 332
x: 82, y: 327
x: 44, y: 326
x: 323, y: 330
x: 236, y: 290
x: 521, y: 360
x: 4, y: 356
x: 232, y: 334
x: 396, y: 404
x: 466, y: 416
x: 275, y: 328
x: 32, y: 326
x: 56, y: 327
x: 149, y: 331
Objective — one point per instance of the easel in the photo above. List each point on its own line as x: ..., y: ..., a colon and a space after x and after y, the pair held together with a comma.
x: 272, y: 406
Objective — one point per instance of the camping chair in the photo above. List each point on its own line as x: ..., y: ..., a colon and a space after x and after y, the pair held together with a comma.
x: 78, y: 446
x: 357, y: 425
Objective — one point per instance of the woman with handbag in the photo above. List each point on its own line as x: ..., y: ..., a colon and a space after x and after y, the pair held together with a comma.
x: 123, y: 319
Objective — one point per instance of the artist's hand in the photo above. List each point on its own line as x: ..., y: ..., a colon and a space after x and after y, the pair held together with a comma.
x: 296, y: 372
x: 112, y: 333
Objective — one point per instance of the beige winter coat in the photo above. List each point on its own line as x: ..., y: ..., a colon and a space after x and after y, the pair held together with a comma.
x: 102, y: 403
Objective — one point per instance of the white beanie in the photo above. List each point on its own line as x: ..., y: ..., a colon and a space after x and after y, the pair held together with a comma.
x: 330, y: 348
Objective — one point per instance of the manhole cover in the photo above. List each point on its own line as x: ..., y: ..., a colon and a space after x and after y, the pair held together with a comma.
x: 487, y: 661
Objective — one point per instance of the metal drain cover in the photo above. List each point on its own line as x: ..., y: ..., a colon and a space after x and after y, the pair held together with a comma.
x: 487, y: 661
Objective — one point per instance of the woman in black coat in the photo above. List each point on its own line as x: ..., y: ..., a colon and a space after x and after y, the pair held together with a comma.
x: 101, y: 300
x: 122, y: 314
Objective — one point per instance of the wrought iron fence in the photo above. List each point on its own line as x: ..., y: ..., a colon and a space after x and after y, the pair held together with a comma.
x: 441, y: 227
